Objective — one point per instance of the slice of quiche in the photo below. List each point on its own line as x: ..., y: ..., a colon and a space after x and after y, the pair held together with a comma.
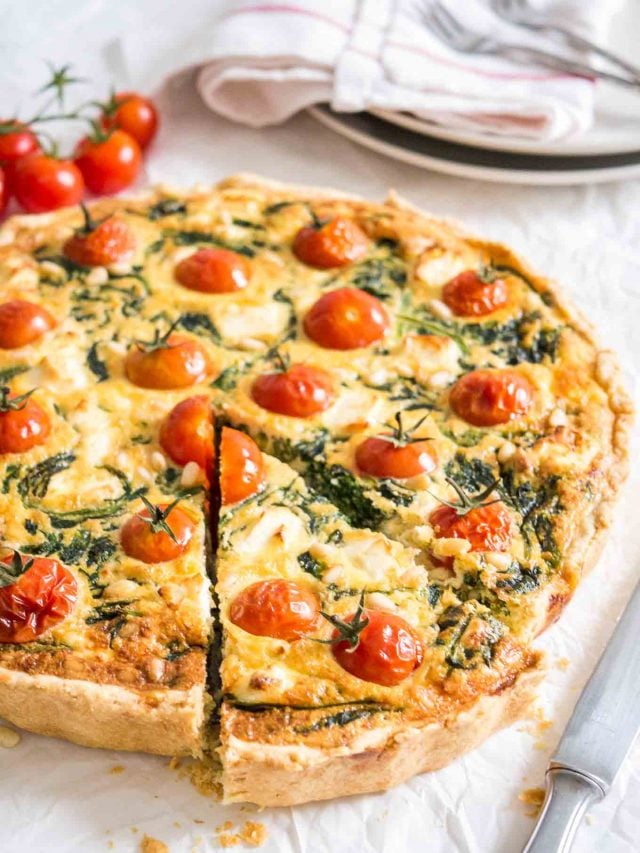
x: 342, y: 664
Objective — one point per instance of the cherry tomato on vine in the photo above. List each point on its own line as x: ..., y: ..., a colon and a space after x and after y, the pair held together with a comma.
x: 134, y: 114
x: 473, y: 295
x: 22, y: 323
x: 17, y: 143
x: 214, y: 271
x: 41, y: 183
x: 241, y: 466
x: 276, y: 608
x: 333, y: 244
x: 109, y: 165
x: 177, y: 363
x: 149, y: 542
x: 381, y: 456
x: 346, y: 318
x: 300, y: 391
x: 4, y: 190
x: 186, y: 434
x: 488, y: 397
x: 41, y: 597
x: 487, y: 527
x: 388, y: 649
x: 100, y: 244
x: 23, y: 423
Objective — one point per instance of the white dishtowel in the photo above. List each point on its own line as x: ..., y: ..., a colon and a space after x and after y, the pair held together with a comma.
x: 268, y: 59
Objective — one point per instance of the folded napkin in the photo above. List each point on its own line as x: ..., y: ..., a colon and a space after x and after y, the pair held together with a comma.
x: 267, y: 60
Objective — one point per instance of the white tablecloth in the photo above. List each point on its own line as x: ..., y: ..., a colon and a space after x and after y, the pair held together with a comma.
x: 58, y: 797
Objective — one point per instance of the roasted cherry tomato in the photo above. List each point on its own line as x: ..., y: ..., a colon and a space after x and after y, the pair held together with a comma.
x: 241, y: 466
x: 214, y: 271
x: 109, y: 165
x: 346, y: 318
x: 4, y: 190
x: 334, y: 244
x: 490, y: 397
x: 23, y: 424
x: 22, y: 323
x: 135, y: 115
x: 178, y: 363
x: 144, y: 536
x: 100, y: 244
x: 299, y: 391
x: 472, y: 295
x: 41, y: 183
x: 487, y: 527
x: 276, y: 608
x: 187, y: 433
x: 17, y: 143
x: 40, y: 598
x: 388, y: 649
x: 382, y: 456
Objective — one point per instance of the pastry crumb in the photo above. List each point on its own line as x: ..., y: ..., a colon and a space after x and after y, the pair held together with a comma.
x: 9, y: 737
x: 563, y: 663
x: 152, y: 845
x: 251, y: 834
x: 203, y: 774
x: 117, y: 769
x: 533, y: 797
x: 110, y: 845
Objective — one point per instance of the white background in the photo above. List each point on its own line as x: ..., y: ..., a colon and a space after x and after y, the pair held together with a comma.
x: 59, y: 797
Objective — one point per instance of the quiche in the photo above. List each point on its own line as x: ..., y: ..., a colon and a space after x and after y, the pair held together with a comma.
x: 288, y: 478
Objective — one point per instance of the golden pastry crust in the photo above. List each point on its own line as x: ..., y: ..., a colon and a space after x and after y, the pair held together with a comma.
x: 104, y: 715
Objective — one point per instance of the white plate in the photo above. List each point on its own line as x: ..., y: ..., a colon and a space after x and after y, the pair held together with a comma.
x: 481, y: 163
x: 616, y: 130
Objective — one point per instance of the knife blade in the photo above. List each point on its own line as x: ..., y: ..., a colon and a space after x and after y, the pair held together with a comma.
x: 598, y: 737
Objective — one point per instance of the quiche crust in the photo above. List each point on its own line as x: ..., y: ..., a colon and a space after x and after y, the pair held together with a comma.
x: 375, y: 756
x: 108, y: 716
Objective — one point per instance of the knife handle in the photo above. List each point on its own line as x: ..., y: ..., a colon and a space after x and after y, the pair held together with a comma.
x: 567, y: 798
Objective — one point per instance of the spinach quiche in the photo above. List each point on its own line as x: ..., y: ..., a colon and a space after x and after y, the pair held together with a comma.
x: 288, y: 478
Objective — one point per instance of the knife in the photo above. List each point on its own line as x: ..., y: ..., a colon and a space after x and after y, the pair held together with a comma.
x: 598, y: 737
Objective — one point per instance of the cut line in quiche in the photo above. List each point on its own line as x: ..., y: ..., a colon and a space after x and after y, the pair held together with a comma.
x: 289, y: 478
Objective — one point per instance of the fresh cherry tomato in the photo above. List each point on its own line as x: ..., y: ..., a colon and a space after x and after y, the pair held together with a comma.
x: 40, y: 598
x: 214, y: 271
x: 41, y: 183
x: 16, y: 144
x: 140, y: 541
x: 490, y: 397
x: 335, y: 244
x: 134, y: 114
x: 178, y: 363
x: 470, y: 295
x: 187, y: 433
x: 4, y: 190
x: 388, y: 649
x: 23, y: 425
x: 22, y: 323
x: 241, y: 466
x: 346, y: 318
x: 381, y: 456
x: 299, y: 391
x: 275, y: 608
x: 109, y: 165
x: 486, y: 527
x: 100, y: 244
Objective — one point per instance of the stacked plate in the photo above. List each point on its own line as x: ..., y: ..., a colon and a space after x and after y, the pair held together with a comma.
x: 609, y: 151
